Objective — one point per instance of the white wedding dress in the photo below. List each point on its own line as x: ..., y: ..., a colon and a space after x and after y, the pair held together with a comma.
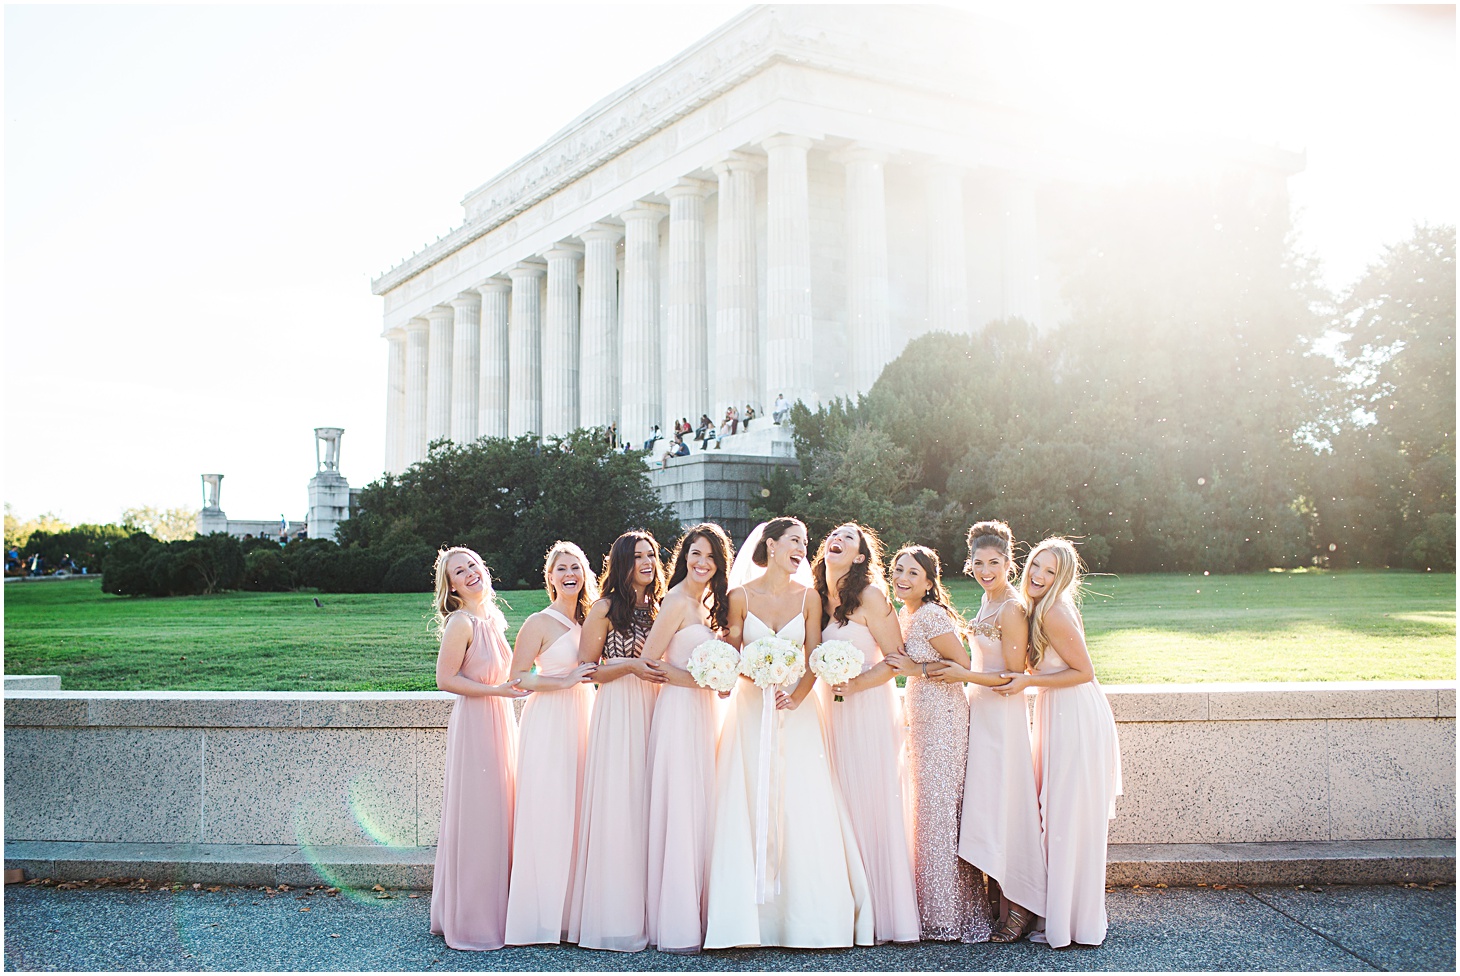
x: 816, y: 893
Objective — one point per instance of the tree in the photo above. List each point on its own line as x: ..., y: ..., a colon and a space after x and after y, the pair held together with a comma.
x: 1398, y: 324
x: 509, y: 500
x: 166, y: 525
x: 18, y: 533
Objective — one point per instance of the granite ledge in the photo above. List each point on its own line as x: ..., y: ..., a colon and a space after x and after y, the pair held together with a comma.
x: 228, y: 709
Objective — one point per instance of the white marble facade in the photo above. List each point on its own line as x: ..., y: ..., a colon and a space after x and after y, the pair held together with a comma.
x: 778, y: 210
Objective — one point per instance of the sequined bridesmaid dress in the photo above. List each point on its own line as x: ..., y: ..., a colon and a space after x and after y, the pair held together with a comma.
x: 950, y: 895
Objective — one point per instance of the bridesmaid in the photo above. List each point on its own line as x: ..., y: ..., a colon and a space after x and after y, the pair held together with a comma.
x: 606, y: 909
x: 682, y: 742
x: 865, y: 730
x: 937, y: 716
x: 999, y: 833
x: 474, y: 845
x: 551, y: 741
x: 1076, y: 752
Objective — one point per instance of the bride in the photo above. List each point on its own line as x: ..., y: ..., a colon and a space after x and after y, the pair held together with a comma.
x: 784, y: 867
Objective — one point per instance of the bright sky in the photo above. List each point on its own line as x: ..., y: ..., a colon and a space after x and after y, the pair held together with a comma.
x: 197, y: 197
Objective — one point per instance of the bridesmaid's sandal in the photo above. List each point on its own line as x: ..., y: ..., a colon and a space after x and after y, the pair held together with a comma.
x: 995, y: 899
x: 1018, y: 925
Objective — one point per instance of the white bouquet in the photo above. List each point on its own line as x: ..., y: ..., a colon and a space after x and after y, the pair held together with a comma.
x: 836, y: 662
x: 772, y: 661
x: 714, y: 665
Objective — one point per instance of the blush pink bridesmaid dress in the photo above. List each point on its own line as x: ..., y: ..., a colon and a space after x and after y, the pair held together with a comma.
x: 682, y: 743
x: 1077, y: 770
x: 474, y: 844
x: 866, y: 735
x: 552, y: 741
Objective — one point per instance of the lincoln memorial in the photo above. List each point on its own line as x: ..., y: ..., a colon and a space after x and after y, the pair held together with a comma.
x: 777, y: 210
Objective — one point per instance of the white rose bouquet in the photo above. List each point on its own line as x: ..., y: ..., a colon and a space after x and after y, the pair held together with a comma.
x: 772, y: 661
x: 714, y: 665
x: 836, y: 662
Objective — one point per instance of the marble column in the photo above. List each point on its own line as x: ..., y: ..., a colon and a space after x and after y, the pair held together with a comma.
x: 788, y: 274
x: 737, y: 305
x: 687, y: 376
x: 1021, y: 250
x: 492, y: 388
x: 869, y: 320
x: 417, y: 375
x: 524, y: 405
x: 560, y: 341
x: 642, y: 395
x: 395, y: 401
x: 947, y: 249
x: 598, y: 379
x: 438, y: 373
x: 465, y: 366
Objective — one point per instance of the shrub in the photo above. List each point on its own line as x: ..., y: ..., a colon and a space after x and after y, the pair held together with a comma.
x: 410, y: 574
x: 264, y: 570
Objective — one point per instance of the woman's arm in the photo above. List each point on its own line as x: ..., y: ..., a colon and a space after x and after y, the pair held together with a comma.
x: 454, y: 641
x: 1014, y: 636
x: 590, y: 645
x: 1067, y: 637
x: 532, y: 639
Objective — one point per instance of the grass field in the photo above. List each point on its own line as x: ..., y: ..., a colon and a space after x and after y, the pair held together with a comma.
x: 1306, y: 626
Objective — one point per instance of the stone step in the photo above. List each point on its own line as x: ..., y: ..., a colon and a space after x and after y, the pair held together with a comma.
x: 1177, y: 865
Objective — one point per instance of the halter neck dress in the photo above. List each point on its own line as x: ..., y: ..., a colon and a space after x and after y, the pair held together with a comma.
x: 474, y: 844
x: 552, y: 742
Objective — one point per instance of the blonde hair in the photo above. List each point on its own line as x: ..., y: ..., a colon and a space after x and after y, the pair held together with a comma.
x: 587, y: 594
x: 1064, y: 589
x: 445, y: 602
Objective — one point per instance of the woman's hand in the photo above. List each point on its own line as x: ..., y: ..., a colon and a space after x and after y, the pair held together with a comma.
x: 1018, y: 681
x: 582, y: 674
x: 948, y: 671
x: 649, y: 671
x: 901, y: 664
x: 511, y: 689
x: 785, y: 701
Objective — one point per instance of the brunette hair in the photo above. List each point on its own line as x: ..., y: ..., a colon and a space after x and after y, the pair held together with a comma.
x: 992, y: 534
x: 723, y: 552
x: 1064, y: 588
x: 446, y: 602
x: 587, y: 594
x: 773, y: 530
x: 937, y: 593
x: 617, y: 580
x: 861, y: 575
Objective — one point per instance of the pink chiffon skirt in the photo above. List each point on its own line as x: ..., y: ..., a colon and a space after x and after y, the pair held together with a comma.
x: 1077, y: 768
x: 606, y: 909
x: 681, y: 816
x: 474, y: 845
x: 866, y: 735
x: 552, y: 741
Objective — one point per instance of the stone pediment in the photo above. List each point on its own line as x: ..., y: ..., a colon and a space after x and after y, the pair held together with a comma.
x: 924, y: 48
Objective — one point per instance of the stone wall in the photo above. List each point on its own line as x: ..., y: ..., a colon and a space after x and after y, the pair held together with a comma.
x: 1202, y: 763
x: 719, y: 486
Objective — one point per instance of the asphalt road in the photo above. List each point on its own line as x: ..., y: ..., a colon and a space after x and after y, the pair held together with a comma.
x: 117, y: 928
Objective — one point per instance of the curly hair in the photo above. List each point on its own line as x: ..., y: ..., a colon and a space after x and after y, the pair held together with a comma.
x: 722, y: 552
x: 861, y: 575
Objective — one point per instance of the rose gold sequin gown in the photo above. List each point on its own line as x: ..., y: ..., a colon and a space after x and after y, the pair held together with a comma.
x: 950, y: 890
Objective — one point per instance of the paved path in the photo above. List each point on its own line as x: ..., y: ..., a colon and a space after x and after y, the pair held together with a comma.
x: 1328, y: 928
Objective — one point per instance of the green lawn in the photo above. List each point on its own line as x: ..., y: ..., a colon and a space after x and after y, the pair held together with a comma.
x: 1170, y: 628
